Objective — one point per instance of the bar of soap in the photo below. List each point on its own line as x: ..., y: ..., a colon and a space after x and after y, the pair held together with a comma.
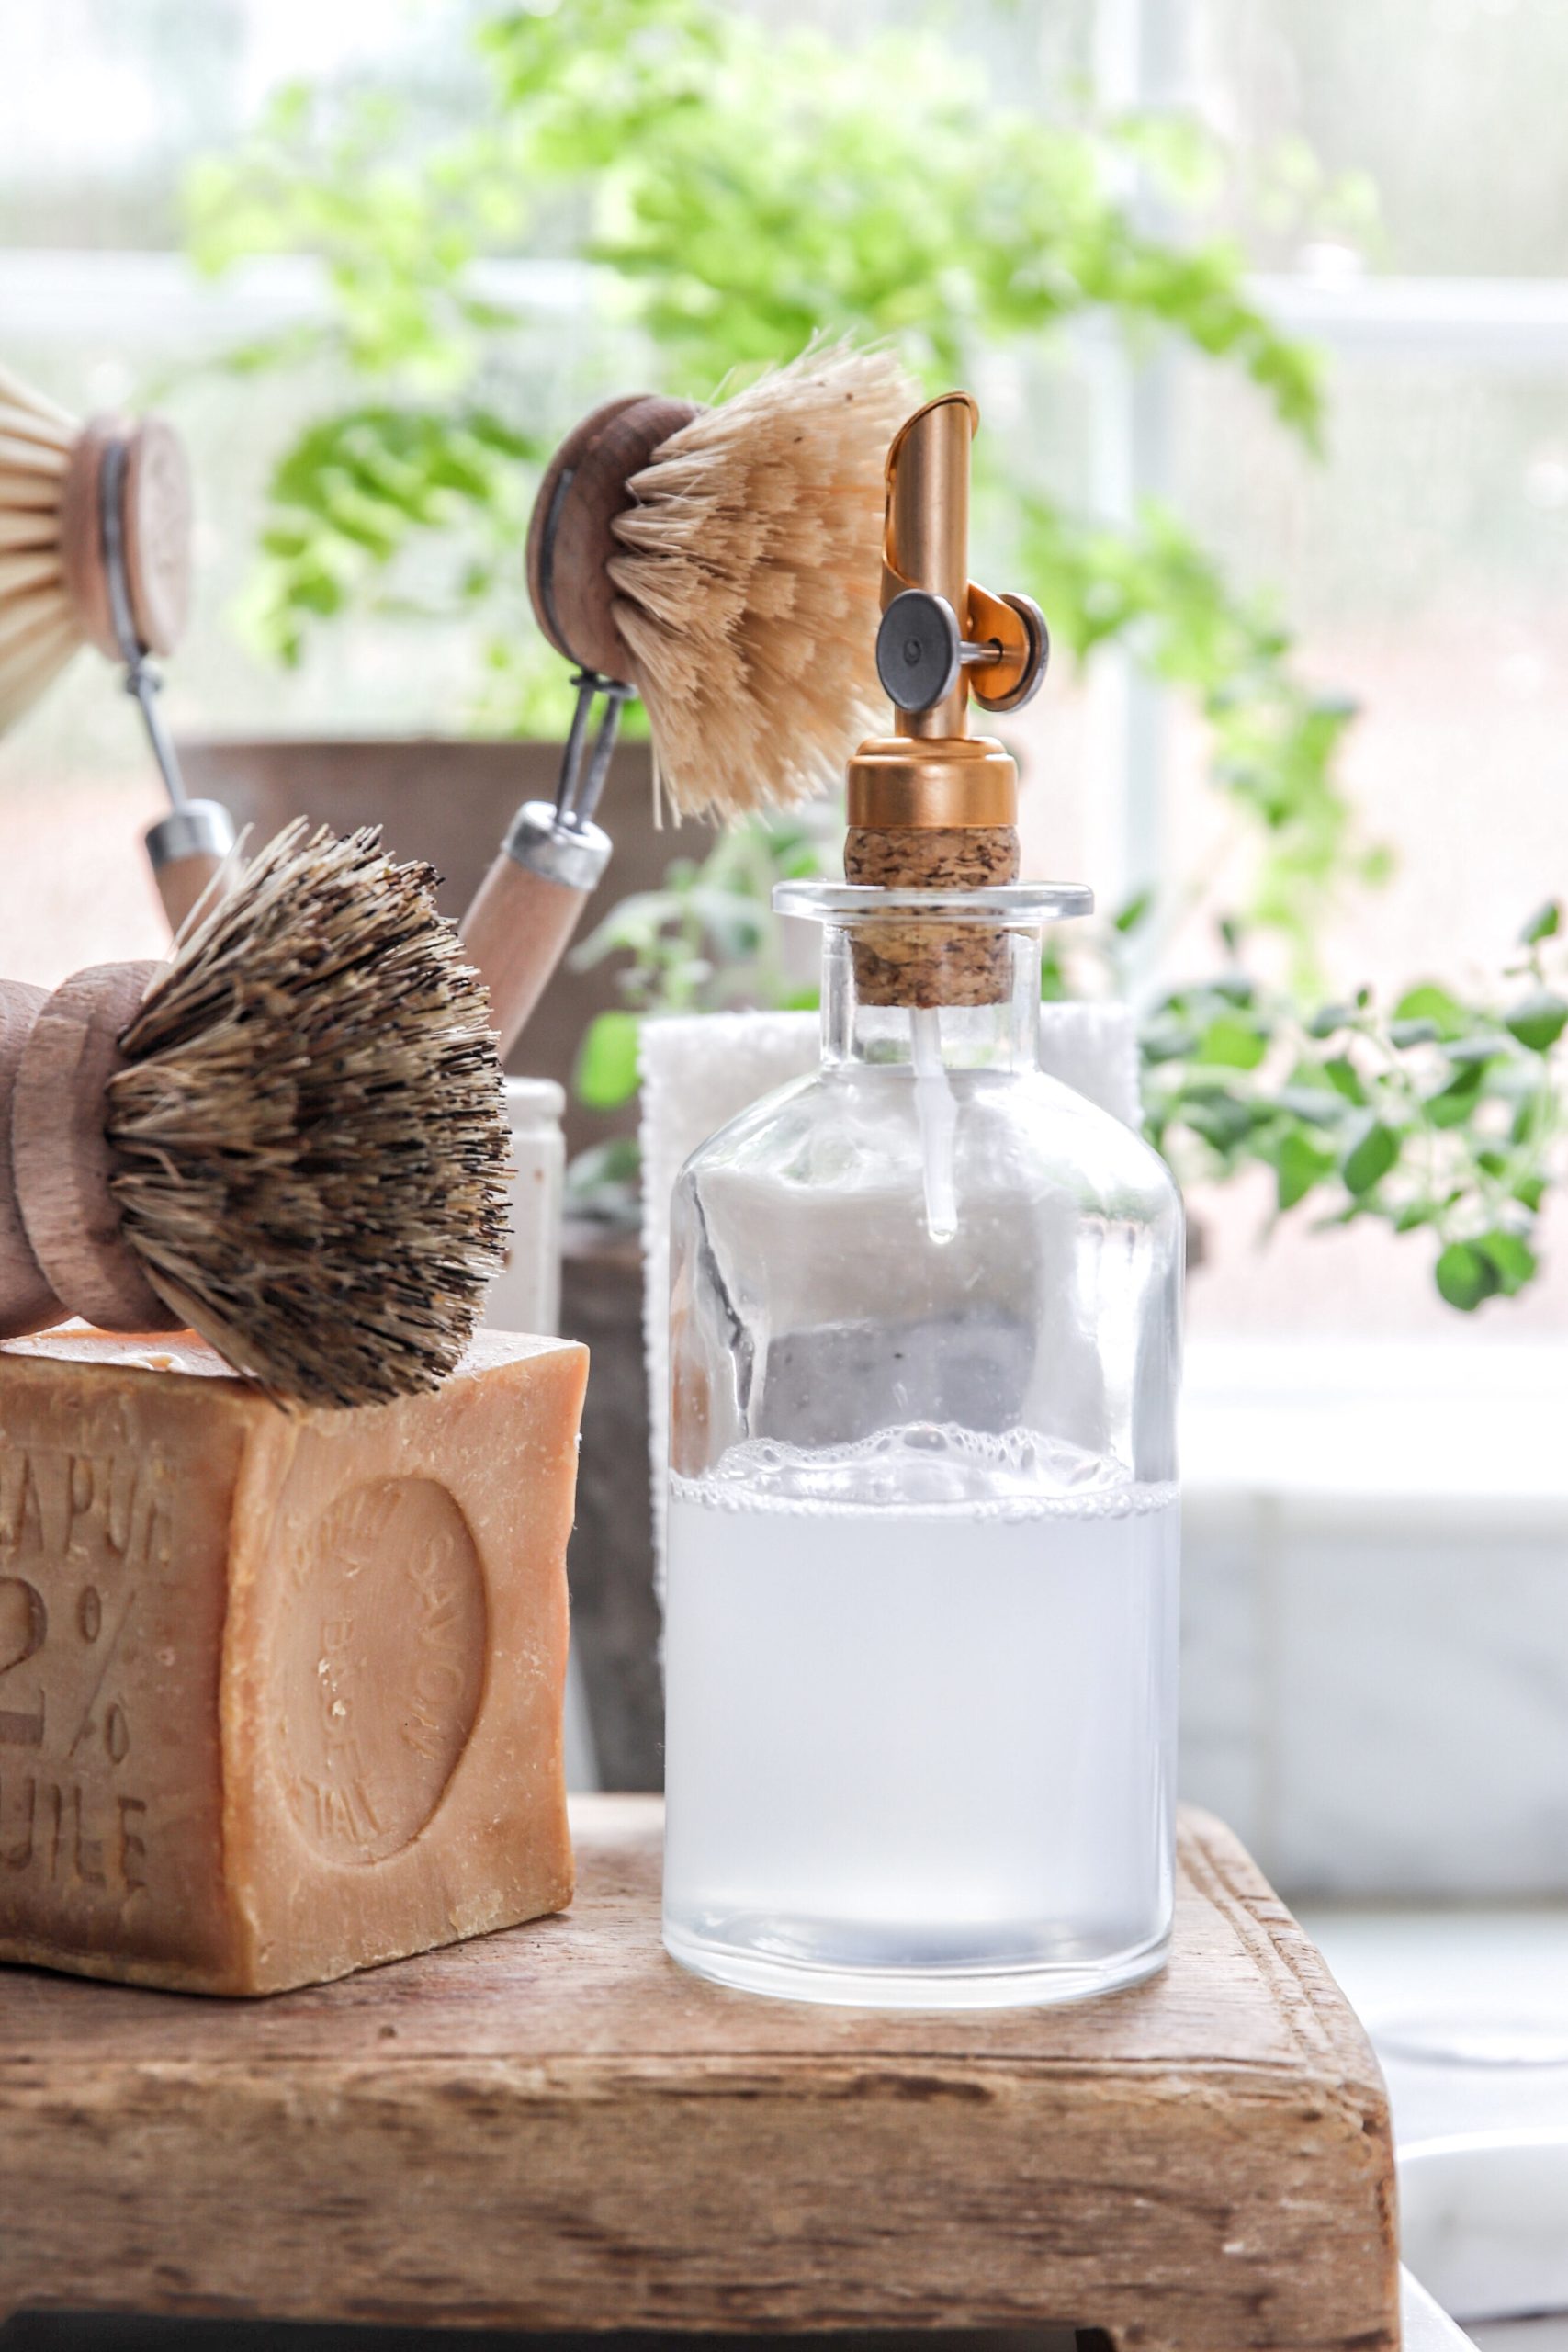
x: 280, y: 1695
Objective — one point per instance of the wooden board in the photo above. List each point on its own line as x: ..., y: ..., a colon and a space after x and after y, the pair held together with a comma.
x: 557, y: 2127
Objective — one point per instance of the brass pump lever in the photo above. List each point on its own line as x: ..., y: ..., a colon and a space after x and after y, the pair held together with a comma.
x: 936, y: 621
x: 921, y: 650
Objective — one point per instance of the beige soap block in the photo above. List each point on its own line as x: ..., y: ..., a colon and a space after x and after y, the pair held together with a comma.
x: 280, y: 1695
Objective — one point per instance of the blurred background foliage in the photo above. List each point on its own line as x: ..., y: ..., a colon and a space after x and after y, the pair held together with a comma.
x: 732, y: 189
x: 736, y: 189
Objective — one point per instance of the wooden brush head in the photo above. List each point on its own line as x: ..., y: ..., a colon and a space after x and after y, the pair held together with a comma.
x: 55, y: 475
x: 26, y: 1302
x: 570, y: 537
x: 155, y: 522
x: 724, y: 561
x: 62, y: 1160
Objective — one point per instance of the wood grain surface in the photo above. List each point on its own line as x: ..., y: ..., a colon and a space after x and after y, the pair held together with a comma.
x: 555, y: 2128
x: 182, y: 880
x: 569, y: 538
x: 515, y: 933
x: 62, y: 1159
x: 81, y: 533
x: 26, y: 1302
x: 157, y: 507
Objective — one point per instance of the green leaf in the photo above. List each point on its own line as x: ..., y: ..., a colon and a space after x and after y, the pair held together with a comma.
x: 1222, y: 1122
x: 1464, y: 1277
x: 1327, y: 1019
x: 1538, y: 1021
x: 1345, y: 1077
x: 1300, y: 1162
x: 1531, y: 1111
x: 1429, y: 1002
x: 1484, y: 1045
x: 1232, y: 1043
x: 1545, y: 923
x: 1530, y: 1190
x: 1450, y: 1105
x: 1412, y: 1033
x: 1168, y: 1038
x: 1320, y: 1106
x: 604, y: 1183
x: 1136, y: 911
x: 1369, y: 1161
x: 1512, y: 1260
x: 605, y: 1076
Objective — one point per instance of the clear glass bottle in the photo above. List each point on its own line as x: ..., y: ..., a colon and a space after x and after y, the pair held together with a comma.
x: 920, y: 1626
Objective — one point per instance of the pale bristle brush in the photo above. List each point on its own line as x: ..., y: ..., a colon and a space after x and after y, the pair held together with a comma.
x: 722, y: 564
x: 94, y: 549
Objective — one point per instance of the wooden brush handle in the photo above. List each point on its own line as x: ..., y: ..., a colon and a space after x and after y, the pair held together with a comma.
x: 516, y: 933
x: 26, y: 1302
x: 186, y: 850
x: 182, y: 881
x: 62, y: 1159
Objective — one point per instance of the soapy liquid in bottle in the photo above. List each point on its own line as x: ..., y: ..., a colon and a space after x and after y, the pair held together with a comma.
x: 917, y: 1691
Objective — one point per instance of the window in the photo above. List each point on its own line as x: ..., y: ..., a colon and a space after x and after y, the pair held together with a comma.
x: 1424, y: 562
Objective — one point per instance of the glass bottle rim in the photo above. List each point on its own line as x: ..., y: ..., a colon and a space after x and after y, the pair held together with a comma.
x: 1020, y: 904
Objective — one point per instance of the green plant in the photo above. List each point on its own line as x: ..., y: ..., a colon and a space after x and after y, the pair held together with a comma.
x: 1437, y: 1116
x: 708, y: 941
x: 733, y: 190
x: 705, y: 943
x: 738, y: 188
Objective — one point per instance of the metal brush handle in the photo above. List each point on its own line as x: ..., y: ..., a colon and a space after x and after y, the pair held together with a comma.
x: 553, y: 857
x: 187, y: 848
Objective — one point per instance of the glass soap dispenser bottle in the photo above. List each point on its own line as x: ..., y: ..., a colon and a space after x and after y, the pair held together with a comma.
x: 921, y: 1615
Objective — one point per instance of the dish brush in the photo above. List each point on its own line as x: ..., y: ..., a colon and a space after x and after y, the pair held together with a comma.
x: 94, y: 549
x: 291, y: 1138
x: 721, y: 563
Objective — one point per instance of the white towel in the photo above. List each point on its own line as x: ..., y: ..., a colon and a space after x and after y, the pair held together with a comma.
x: 701, y: 1070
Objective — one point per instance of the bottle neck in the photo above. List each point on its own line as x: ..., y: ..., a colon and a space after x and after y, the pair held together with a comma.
x: 1000, y: 1037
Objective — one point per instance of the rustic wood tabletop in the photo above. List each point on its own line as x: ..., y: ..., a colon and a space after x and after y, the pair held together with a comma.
x: 557, y: 2128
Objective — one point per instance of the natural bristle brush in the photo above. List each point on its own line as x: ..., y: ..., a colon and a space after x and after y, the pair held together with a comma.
x: 721, y: 563
x: 291, y: 1138
x: 94, y: 549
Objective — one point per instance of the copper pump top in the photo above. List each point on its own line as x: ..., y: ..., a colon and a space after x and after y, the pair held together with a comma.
x: 943, y: 640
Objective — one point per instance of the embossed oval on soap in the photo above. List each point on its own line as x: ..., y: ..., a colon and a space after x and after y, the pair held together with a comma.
x: 377, y: 1668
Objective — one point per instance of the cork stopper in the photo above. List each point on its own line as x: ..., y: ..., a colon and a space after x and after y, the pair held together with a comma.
x: 932, y: 806
x: 928, y: 964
